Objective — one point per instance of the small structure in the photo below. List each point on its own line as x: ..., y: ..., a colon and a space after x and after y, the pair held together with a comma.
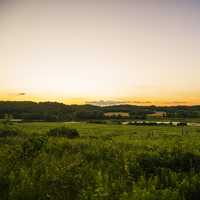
x: 158, y: 114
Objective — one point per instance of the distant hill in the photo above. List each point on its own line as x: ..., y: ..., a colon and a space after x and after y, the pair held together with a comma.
x: 53, y: 111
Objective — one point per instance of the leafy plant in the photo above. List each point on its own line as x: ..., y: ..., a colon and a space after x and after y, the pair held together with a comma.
x: 63, y: 132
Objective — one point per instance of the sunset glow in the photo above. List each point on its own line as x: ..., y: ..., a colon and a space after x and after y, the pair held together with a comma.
x: 137, y: 53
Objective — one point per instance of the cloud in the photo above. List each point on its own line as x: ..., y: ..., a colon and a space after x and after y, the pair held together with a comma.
x: 21, y: 94
x: 134, y: 102
x: 106, y: 103
x: 176, y: 102
x: 140, y: 102
x: 113, y: 102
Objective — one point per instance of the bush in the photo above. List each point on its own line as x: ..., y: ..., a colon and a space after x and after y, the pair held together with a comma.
x: 63, y: 132
x: 97, y: 121
x: 182, y: 124
x: 6, y: 132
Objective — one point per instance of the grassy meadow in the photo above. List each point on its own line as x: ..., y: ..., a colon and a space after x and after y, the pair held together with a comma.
x: 107, y: 162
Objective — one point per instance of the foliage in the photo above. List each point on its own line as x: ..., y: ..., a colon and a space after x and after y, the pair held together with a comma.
x: 7, y: 131
x: 107, y: 162
x: 7, y: 119
x: 53, y: 111
x: 63, y: 132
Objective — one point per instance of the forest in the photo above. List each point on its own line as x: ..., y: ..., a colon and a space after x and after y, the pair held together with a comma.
x: 53, y: 111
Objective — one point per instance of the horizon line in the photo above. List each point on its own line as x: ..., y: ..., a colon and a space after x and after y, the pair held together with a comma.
x: 107, y: 105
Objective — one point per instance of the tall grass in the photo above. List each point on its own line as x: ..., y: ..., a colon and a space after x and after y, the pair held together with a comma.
x: 107, y: 162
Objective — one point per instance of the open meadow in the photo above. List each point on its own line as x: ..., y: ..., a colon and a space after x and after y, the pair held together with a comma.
x: 105, y: 162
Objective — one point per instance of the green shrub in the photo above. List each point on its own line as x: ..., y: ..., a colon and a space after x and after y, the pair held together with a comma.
x: 97, y: 121
x: 63, y: 132
x: 7, y: 131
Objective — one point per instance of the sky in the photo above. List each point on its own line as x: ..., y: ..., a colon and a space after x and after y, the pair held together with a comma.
x: 100, y: 52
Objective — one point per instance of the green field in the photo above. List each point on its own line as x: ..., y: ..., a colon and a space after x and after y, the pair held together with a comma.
x: 107, y: 162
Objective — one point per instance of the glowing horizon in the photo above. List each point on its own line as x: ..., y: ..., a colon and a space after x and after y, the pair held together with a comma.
x: 100, y: 50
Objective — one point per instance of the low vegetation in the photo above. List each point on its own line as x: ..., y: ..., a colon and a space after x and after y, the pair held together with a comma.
x: 6, y: 131
x: 107, y: 162
x: 63, y: 132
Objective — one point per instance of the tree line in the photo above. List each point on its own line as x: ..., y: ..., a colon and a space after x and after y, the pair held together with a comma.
x: 54, y: 111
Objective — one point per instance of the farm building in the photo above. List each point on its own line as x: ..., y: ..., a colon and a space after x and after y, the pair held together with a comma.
x: 158, y: 114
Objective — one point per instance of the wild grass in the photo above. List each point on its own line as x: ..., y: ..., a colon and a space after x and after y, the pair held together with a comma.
x: 107, y: 162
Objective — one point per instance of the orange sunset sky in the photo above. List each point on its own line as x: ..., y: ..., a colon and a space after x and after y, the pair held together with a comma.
x: 137, y: 52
